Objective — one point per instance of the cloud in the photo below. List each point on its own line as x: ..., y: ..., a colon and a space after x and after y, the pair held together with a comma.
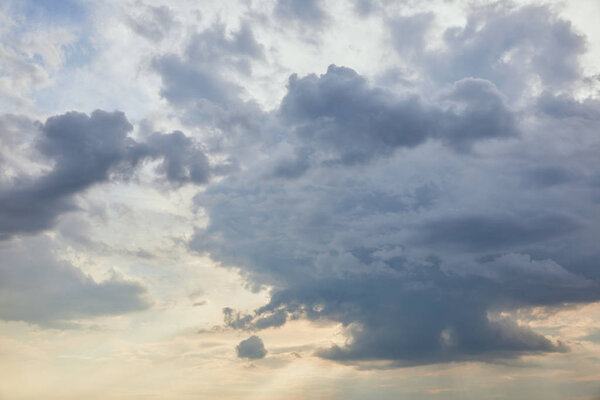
x: 251, y: 348
x: 183, y: 160
x: 353, y: 246
x: 83, y: 151
x: 341, y: 113
x: 183, y: 82
x: 154, y: 24
x: 489, y: 232
x: 199, y: 82
x: 39, y: 288
x: 304, y: 11
x: 214, y: 45
x: 374, y: 210
x: 562, y: 106
x: 501, y: 43
x: 413, y: 218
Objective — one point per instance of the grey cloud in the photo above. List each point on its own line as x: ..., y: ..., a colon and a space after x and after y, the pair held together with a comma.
x: 409, y: 33
x: 548, y: 176
x: 83, y: 151
x: 363, y: 7
x: 213, y: 46
x: 183, y: 160
x: 419, y: 317
x: 367, y: 7
x: 501, y: 43
x: 479, y: 113
x: 495, y: 232
x: 294, y: 167
x: 341, y: 112
x: 563, y: 106
x: 372, y: 208
x: 154, y: 23
x: 251, y: 348
x: 334, y: 118
x: 38, y: 288
x: 415, y: 271
x: 199, y: 81
x: 305, y: 11
x: 183, y: 82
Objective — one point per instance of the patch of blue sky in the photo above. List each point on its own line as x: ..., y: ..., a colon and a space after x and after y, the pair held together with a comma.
x: 50, y: 12
x: 72, y: 15
x: 79, y: 53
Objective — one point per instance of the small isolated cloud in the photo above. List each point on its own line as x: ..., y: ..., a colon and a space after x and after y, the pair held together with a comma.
x: 252, y: 348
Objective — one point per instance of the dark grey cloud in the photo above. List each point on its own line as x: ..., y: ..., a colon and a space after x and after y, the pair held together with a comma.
x: 495, y: 232
x: 422, y: 315
x: 183, y: 160
x: 340, y: 112
x: 548, y: 176
x: 252, y: 348
x: 416, y: 253
x: 82, y: 151
x: 38, y: 288
x: 413, y: 280
x: 478, y: 112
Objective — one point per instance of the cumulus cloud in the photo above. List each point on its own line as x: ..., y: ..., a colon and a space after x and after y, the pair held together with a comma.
x: 251, y: 348
x: 82, y: 151
x: 353, y: 247
x: 415, y: 218
x: 340, y: 112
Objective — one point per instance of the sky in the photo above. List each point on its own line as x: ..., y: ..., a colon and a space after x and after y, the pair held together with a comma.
x: 299, y: 199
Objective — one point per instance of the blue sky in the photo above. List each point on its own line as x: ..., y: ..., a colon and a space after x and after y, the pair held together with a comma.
x: 288, y: 199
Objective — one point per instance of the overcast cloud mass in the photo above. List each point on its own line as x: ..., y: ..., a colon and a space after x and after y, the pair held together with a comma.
x: 396, y: 199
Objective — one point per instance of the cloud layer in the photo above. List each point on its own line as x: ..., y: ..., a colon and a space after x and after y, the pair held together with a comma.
x: 418, y: 208
x: 37, y: 287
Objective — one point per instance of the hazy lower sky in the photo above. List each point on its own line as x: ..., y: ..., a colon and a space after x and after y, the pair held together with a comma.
x: 299, y: 199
